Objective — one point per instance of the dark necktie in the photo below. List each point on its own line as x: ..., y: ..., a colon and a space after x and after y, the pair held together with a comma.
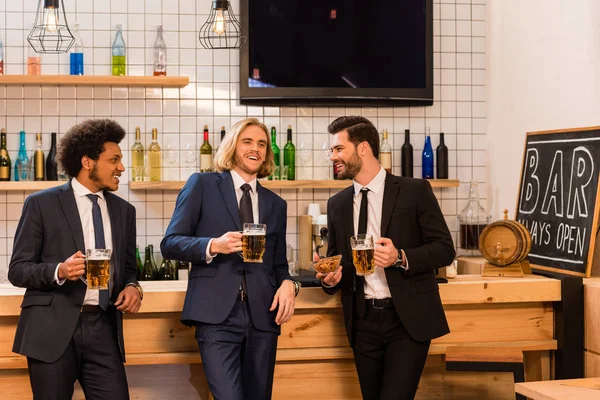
x: 246, y: 214
x: 362, y: 217
x: 100, y: 243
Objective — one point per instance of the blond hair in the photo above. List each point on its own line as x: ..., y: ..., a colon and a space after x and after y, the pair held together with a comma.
x: 225, y: 157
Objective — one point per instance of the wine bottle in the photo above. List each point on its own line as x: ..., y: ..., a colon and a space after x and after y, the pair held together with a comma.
x: 119, y: 51
x: 167, y: 271
x: 76, y: 56
x: 160, y: 53
x: 39, y: 166
x: 22, y: 162
x: 407, y: 155
x: 275, y: 149
x: 289, y: 156
x: 51, y: 165
x: 148, y: 272
x: 206, y: 155
x: 182, y: 271
x: 138, y: 261
x: 427, y: 156
x: 442, y: 158
x: 137, y: 157
x: 222, y: 133
x: 385, y: 154
x: 5, y: 164
x: 155, y: 158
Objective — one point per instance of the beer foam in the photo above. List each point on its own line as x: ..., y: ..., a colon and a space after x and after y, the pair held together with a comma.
x: 362, y: 247
x: 98, y: 258
x: 254, y: 234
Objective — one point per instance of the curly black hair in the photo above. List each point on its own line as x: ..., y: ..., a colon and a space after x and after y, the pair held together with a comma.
x: 86, y: 139
x: 359, y: 129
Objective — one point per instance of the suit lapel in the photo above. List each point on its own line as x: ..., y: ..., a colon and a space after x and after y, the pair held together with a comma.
x: 114, y: 212
x: 225, y: 183
x: 66, y: 199
x: 390, y: 193
x: 264, y: 204
x: 347, y: 215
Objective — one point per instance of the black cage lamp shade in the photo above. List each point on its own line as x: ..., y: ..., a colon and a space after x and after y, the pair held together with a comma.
x: 50, y: 33
x: 221, y: 30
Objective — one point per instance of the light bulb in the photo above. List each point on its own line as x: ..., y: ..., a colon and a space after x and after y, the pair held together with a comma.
x: 219, y: 24
x: 51, y: 19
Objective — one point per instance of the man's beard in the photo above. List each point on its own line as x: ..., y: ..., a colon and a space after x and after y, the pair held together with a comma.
x: 94, y: 177
x: 240, y: 163
x: 351, y: 168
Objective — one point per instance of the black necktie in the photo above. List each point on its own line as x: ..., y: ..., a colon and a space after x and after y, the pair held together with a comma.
x: 100, y: 243
x: 246, y: 214
x: 362, y: 217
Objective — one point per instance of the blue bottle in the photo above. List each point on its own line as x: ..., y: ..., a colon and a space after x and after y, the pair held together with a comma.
x: 22, y: 162
x: 427, y: 156
x: 77, y: 52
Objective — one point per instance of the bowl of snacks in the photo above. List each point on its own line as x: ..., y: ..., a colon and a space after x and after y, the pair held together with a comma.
x: 327, y: 265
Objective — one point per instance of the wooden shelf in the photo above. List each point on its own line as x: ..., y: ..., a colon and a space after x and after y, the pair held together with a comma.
x: 85, y: 80
x: 29, y: 185
x: 300, y: 184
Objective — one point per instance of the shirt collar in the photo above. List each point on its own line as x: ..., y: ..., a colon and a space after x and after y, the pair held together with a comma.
x: 375, y: 185
x: 81, y: 190
x: 238, y: 181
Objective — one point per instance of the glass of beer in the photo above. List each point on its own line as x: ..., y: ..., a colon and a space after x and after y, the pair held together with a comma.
x: 97, y: 268
x: 254, y: 242
x: 363, y: 254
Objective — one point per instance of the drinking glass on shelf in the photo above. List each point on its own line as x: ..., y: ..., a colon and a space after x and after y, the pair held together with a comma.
x: 189, y: 155
x: 305, y: 157
x: 276, y: 173
x: 284, y: 172
x: 325, y: 154
x: 170, y: 159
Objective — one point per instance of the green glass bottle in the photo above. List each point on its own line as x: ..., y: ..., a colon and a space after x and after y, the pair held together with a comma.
x: 5, y: 164
x: 275, y: 149
x: 206, y: 155
x: 138, y: 260
x: 167, y: 271
x: 289, y: 156
x: 148, y: 272
x: 155, y: 270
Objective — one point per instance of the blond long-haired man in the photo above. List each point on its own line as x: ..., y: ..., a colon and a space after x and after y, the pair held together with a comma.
x: 236, y: 307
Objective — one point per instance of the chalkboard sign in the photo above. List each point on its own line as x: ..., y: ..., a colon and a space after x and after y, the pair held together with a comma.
x: 558, y: 198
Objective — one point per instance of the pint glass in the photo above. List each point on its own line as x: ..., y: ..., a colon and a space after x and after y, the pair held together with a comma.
x: 97, y: 268
x: 254, y: 241
x: 363, y: 254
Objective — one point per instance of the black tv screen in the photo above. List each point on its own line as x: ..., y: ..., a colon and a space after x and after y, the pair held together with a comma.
x: 337, y: 52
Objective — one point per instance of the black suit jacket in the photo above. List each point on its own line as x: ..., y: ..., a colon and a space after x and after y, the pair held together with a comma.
x: 207, y: 208
x: 412, y: 219
x: 48, y: 233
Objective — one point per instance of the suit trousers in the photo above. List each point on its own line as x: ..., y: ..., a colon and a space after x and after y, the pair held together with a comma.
x: 388, y: 361
x: 238, y: 359
x: 92, y: 357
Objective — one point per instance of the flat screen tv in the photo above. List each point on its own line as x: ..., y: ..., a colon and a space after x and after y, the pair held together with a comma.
x: 337, y: 52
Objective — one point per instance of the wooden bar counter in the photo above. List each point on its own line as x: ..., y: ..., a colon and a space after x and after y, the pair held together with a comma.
x: 314, y: 360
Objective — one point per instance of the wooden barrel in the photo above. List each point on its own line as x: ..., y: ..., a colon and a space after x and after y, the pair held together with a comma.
x: 505, y: 242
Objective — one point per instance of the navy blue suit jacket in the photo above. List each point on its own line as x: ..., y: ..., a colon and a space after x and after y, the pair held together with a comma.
x: 207, y: 208
x: 48, y: 233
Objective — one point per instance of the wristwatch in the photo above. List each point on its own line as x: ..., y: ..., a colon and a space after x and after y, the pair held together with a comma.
x: 296, y: 286
x: 398, y: 263
x: 139, y: 289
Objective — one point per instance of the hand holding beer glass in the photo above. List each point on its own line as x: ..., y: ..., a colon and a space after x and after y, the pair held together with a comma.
x: 98, y: 268
x: 363, y: 254
x: 254, y: 241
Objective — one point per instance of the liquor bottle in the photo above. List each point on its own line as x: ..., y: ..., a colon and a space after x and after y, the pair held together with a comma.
x: 119, y: 51
x: 472, y: 220
x: 34, y: 62
x: 21, y: 164
x: 148, y: 272
x: 5, y: 164
x: 275, y: 149
x: 167, y: 271
x: 427, y: 156
x: 206, y: 155
x: 137, y: 157
x: 76, y: 56
x: 138, y: 261
x: 51, y: 165
x: 289, y: 156
x: 183, y: 271
x: 385, y: 154
x: 160, y: 53
x: 407, y: 155
x: 222, y: 133
x: 155, y: 272
x: 1, y: 57
x: 39, y: 166
x: 155, y: 158
x: 441, y: 153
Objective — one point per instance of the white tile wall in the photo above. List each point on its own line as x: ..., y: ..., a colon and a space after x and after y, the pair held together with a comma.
x: 211, y: 98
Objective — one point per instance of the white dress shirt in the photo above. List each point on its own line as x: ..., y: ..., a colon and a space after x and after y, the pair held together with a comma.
x: 238, y: 181
x: 84, y: 207
x: 376, y: 286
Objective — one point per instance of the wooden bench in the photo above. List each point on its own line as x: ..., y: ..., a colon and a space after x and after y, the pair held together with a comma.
x: 487, y: 359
